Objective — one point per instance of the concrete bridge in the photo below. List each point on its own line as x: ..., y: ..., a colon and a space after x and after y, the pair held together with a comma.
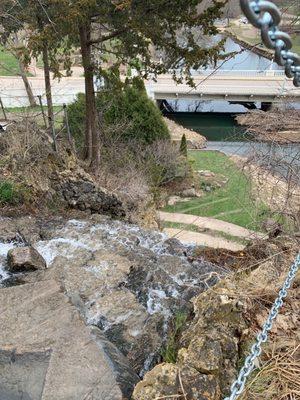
x: 239, y: 86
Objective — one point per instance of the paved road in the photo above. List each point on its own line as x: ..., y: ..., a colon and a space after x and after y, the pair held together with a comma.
x: 212, y: 228
x: 13, y: 94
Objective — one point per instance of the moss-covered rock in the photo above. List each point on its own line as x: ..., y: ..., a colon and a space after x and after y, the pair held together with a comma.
x: 208, y: 359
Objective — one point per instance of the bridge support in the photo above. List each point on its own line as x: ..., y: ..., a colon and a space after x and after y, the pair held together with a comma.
x: 164, y: 105
x: 266, y: 106
x: 247, y: 104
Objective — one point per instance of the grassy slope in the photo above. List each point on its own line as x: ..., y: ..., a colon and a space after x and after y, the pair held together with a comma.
x: 8, y: 63
x: 252, y: 35
x: 234, y: 199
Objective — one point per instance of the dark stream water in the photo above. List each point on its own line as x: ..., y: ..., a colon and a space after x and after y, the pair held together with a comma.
x: 214, y: 126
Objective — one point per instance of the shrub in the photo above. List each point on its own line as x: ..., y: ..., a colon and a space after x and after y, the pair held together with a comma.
x: 183, y: 146
x: 76, y: 113
x: 24, y: 145
x: 165, y: 163
x: 131, y: 104
x: 137, y: 170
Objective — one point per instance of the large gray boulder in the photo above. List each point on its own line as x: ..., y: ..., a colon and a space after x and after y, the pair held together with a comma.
x: 22, y: 259
x: 47, y: 352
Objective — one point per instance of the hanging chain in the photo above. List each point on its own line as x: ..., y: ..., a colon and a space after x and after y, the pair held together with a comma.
x: 239, y: 385
x: 266, y: 16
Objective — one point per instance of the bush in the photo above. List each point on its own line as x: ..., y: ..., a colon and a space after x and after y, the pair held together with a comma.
x: 130, y: 103
x: 137, y: 170
x: 76, y: 113
x: 183, y: 146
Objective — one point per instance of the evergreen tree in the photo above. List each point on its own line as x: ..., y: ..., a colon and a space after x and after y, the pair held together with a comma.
x: 125, y: 30
x: 183, y: 146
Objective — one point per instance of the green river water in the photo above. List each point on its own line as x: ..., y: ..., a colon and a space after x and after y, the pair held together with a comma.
x: 214, y: 126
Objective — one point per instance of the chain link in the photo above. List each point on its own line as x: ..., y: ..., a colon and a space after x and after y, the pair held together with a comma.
x: 238, y: 386
x: 266, y: 16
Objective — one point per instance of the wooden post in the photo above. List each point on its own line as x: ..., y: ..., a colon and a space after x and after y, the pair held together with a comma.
x: 67, y: 125
x: 43, y: 111
x: 3, y: 109
x: 53, y: 136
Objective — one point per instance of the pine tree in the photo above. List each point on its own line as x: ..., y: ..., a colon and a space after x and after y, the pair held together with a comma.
x: 127, y: 31
x: 183, y: 146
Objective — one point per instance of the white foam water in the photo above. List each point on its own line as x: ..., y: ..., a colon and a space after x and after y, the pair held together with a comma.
x: 4, y: 249
x: 62, y: 246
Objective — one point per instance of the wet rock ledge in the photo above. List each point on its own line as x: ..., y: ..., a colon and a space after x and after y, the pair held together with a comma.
x: 95, y: 320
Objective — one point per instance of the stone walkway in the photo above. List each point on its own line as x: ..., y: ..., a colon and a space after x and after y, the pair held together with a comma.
x: 203, y: 239
x: 212, y: 224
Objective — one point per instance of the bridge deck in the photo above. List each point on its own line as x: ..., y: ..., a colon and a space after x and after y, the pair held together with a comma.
x: 226, y: 87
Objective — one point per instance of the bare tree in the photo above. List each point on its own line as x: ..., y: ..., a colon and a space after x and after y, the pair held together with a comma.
x: 16, y: 46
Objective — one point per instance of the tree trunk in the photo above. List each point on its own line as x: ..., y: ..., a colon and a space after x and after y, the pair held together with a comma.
x: 17, y: 43
x: 92, y: 143
x: 49, y: 94
x: 28, y: 89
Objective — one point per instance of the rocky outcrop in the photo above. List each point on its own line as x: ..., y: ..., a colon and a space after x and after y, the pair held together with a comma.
x: 87, y: 196
x: 96, y: 320
x: 47, y: 352
x: 226, y: 321
x: 207, y: 361
x: 127, y: 281
x: 22, y: 259
x: 28, y: 229
x: 194, y: 139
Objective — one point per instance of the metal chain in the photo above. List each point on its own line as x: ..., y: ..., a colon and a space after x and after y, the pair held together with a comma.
x: 266, y: 16
x: 239, y: 385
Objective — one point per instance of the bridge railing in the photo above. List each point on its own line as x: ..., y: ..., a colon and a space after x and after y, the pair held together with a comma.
x: 241, y: 73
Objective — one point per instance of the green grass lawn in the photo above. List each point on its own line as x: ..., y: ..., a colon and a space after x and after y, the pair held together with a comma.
x: 233, y: 202
x: 8, y: 63
x: 24, y: 110
x: 35, y: 113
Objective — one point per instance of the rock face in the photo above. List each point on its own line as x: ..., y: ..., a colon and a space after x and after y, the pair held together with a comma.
x: 85, y: 195
x: 25, y: 259
x: 207, y: 362
x: 47, y: 352
x: 127, y: 283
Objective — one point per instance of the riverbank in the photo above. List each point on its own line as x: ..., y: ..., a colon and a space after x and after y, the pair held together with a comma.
x: 194, y: 139
x: 251, y: 46
x: 282, y: 196
x: 274, y: 126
